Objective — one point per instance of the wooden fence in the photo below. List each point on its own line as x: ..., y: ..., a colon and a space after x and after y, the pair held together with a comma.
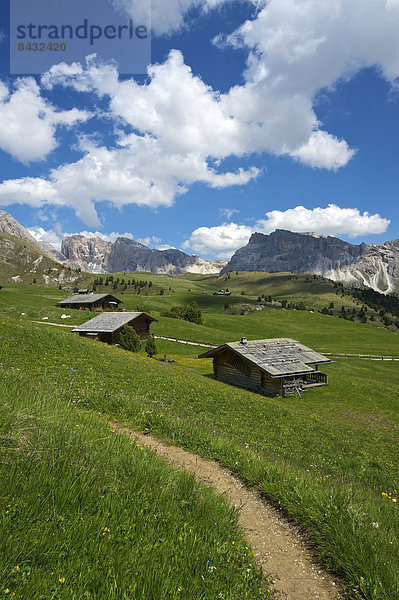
x: 338, y: 354
x: 362, y: 356
x: 184, y: 341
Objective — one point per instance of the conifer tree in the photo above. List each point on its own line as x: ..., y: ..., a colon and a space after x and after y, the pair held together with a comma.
x: 150, y: 346
x: 129, y: 340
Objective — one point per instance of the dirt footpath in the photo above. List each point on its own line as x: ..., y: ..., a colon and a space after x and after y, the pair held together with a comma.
x: 280, y: 549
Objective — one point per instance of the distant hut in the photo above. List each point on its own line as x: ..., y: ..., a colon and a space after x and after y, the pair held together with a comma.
x: 108, y: 326
x: 90, y: 301
x: 83, y: 292
x: 280, y: 366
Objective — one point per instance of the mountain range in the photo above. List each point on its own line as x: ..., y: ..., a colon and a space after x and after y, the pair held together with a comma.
x: 99, y: 256
x: 95, y: 255
x: 371, y: 265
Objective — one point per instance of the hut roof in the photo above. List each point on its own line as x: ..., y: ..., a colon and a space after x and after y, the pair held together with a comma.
x: 87, y: 299
x: 276, y: 356
x: 110, y: 322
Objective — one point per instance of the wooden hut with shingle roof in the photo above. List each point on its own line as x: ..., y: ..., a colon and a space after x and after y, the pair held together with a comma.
x: 279, y: 366
x: 90, y: 301
x: 108, y: 326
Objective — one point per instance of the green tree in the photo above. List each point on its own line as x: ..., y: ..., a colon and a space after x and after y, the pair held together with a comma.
x: 143, y: 307
x: 193, y: 313
x: 150, y: 346
x: 129, y: 340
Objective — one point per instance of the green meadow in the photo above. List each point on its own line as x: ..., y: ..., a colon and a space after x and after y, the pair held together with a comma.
x: 86, y: 514
x: 329, y: 460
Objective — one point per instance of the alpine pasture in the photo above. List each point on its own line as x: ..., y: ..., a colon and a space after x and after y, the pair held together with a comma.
x: 87, y: 514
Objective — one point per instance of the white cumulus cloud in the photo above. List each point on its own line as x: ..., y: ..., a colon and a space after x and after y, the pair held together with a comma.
x: 332, y: 220
x: 28, y: 122
x: 220, y: 241
x: 183, y: 128
x: 167, y: 17
x: 323, y: 150
x: 223, y: 240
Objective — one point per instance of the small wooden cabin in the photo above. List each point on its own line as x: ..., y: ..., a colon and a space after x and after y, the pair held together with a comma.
x: 280, y: 366
x: 222, y: 293
x: 108, y: 326
x: 90, y: 301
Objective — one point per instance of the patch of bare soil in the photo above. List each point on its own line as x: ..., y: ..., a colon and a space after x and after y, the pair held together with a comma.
x: 280, y: 549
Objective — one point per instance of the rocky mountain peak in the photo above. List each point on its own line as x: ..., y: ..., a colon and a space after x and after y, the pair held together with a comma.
x: 98, y: 256
x: 11, y: 226
x: 372, y: 265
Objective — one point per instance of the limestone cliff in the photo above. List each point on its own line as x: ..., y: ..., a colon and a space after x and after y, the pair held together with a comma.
x: 372, y: 265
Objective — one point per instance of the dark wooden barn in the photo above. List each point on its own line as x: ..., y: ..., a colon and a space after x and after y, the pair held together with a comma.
x: 90, y: 302
x: 280, y: 366
x: 108, y: 326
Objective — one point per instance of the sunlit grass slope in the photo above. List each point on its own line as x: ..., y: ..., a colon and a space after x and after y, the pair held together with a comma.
x: 87, y: 514
x: 329, y: 459
x: 322, y: 332
x: 22, y: 260
x: 319, y: 331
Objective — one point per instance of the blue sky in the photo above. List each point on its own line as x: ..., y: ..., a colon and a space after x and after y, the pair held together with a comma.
x: 253, y: 116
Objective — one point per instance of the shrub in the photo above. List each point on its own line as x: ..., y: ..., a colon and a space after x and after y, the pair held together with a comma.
x: 143, y: 307
x: 150, y: 346
x: 191, y: 313
x: 129, y: 340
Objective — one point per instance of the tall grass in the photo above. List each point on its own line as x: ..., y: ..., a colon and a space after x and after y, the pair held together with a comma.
x: 88, y: 514
x: 329, y: 459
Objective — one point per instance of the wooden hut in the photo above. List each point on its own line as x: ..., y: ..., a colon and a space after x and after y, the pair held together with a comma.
x: 280, y: 366
x: 108, y: 326
x: 90, y: 301
x: 222, y: 293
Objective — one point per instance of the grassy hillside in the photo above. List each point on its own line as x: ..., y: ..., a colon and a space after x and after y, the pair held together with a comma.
x: 328, y: 459
x: 22, y: 262
x: 166, y: 284
x: 311, y: 292
x: 276, y: 284
x: 322, y: 332
x: 87, y: 514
